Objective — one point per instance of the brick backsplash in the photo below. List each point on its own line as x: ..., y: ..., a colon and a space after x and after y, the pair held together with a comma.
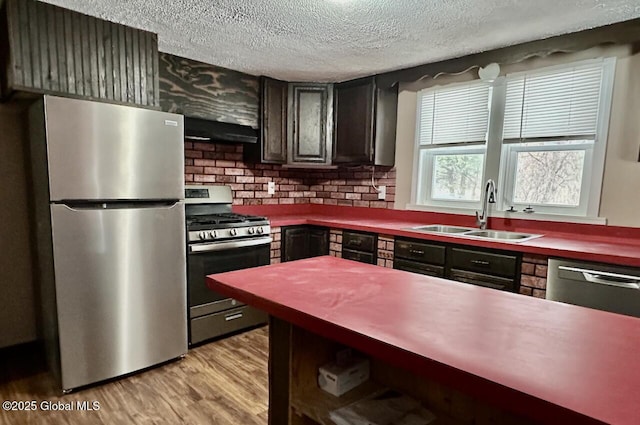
x: 335, y: 243
x: 216, y: 163
x: 533, y: 279
x: 276, y: 247
x: 385, y: 251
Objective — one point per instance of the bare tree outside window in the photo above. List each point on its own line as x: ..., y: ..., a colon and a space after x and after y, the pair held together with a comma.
x: 549, y: 177
x: 457, y: 177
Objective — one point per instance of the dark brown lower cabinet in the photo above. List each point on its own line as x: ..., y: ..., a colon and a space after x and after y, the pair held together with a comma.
x: 419, y: 257
x: 360, y: 247
x: 477, y: 266
x: 300, y: 242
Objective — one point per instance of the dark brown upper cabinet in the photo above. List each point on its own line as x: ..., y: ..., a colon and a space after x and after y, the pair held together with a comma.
x: 365, y: 123
x: 310, y: 124
x: 272, y: 148
x: 51, y: 50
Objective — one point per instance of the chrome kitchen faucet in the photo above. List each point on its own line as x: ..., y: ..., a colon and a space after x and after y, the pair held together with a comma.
x: 488, y: 197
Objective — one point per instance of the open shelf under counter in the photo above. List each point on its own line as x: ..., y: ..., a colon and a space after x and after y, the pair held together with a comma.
x: 316, y: 404
x: 308, y: 404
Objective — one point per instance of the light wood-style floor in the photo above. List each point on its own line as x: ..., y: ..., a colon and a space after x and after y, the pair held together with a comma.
x: 223, y: 382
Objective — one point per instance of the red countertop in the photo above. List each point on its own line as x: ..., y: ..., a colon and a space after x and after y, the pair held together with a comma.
x: 553, y: 362
x: 606, y: 244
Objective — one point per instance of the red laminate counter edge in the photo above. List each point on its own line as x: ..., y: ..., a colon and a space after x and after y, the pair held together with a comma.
x: 605, y: 244
x: 553, y: 362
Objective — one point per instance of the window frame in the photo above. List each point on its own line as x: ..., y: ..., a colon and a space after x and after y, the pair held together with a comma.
x: 508, y: 177
x: 424, y: 191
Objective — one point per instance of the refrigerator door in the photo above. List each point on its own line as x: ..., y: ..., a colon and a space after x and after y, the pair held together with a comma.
x: 120, y: 278
x: 99, y: 151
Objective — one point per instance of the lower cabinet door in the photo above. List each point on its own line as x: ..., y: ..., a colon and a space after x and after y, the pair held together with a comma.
x: 415, y: 267
x: 363, y: 257
x: 295, y: 243
x: 487, y: 281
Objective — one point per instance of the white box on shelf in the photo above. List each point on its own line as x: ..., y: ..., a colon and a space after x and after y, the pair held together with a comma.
x: 338, y: 379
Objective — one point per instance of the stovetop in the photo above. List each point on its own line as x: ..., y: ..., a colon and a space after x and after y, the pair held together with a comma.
x: 221, y: 220
x: 208, y: 228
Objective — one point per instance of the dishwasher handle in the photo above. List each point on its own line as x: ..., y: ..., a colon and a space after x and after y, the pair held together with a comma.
x: 606, y: 278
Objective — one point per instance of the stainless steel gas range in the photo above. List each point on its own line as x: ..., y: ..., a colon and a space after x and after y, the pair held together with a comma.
x: 219, y: 240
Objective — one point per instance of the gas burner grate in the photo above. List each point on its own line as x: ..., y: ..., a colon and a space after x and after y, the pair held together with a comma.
x: 223, y: 218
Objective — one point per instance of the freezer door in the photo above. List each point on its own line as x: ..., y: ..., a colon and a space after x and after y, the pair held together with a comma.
x: 120, y: 277
x: 99, y: 151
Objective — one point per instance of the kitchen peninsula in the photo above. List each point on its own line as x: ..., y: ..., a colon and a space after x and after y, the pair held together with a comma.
x: 460, y: 349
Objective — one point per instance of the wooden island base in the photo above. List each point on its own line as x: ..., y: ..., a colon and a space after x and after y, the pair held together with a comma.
x: 295, y: 355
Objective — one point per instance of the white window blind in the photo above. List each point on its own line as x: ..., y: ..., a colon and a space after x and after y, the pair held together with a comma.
x: 454, y: 114
x: 553, y: 103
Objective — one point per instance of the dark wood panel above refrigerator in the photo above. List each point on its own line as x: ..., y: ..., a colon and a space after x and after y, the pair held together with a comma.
x: 51, y: 50
x: 200, y: 90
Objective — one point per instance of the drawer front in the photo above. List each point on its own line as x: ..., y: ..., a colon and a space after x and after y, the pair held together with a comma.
x: 359, y: 241
x: 415, y: 267
x: 480, y: 279
x: 418, y: 251
x: 484, y: 262
x: 363, y: 257
x: 214, y: 325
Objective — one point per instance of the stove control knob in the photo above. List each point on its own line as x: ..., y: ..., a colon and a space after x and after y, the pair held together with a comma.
x: 213, y: 234
x: 251, y: 230
x: 233, y: 232
x: 260, y: 230
x: 202, y: 235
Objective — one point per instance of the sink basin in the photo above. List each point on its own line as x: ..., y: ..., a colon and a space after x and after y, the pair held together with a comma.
x: 439, y: 228
x: 502, y: 235
x: 474, y: 233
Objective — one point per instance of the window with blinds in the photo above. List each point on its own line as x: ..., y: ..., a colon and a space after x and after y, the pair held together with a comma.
x: 541, y: 135
x: 452, y: 134
x: 551, y: 122
x: 455, y: 114
x: 556, y: 103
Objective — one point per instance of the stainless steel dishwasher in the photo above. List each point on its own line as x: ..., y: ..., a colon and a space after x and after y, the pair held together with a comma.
x: 599, y: 286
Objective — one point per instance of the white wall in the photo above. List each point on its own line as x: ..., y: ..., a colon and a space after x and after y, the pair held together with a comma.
x: 17, y: 306
x: 620, y: 199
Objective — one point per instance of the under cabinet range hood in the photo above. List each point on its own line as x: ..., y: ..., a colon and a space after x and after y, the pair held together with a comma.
x: 200, y: 130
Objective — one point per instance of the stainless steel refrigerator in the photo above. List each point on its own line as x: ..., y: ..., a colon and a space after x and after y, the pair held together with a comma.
x: 109, y: 212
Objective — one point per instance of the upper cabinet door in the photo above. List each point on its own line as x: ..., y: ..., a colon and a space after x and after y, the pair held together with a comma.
x: 274, y: 121
x: 354, y: 111
x: 310, y: 123
x: 365, y: 123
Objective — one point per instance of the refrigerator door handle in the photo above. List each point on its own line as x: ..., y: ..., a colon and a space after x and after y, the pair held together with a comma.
x: 606, y: 278
x: 118, y: 205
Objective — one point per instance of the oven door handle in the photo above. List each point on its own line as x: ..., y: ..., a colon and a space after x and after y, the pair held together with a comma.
x: 219, y: 246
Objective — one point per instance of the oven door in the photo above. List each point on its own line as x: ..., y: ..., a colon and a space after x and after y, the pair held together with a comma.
x: 218, y: 257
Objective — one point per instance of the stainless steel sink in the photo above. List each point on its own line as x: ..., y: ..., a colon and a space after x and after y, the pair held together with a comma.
x: 502, y: 235
x: 440, y: 228
x: 469, y: 232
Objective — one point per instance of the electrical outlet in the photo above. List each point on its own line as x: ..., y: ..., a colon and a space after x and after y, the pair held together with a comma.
x: 382, y: 192
x: 271, y: 188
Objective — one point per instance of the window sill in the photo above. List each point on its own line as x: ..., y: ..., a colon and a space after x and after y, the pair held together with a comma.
x: 513, y: 215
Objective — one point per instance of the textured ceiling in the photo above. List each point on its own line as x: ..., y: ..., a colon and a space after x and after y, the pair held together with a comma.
x: 336, y: 40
